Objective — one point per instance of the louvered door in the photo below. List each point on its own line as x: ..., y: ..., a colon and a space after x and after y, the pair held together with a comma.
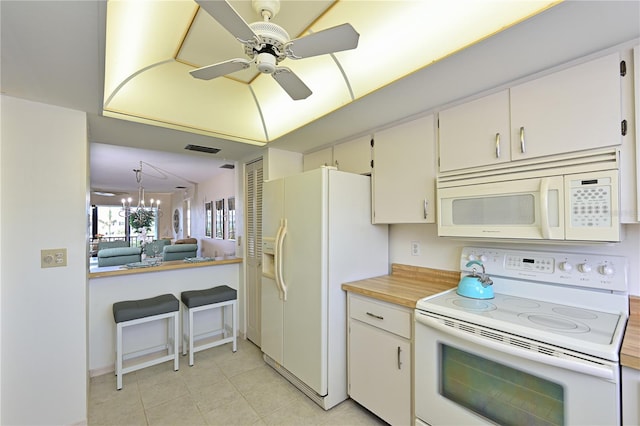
x: 253, y: 258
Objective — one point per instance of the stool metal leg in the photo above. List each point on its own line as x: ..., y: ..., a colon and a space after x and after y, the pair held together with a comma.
x: 190, y: 337
x: 118, y: 356
x: 185, y: 329
x: 176, y: 337
x: 234, y: 323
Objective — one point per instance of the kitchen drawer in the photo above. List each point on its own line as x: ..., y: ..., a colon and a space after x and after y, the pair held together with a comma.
x: 386, y: 316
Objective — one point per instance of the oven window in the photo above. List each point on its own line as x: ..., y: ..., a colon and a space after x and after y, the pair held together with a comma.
x: 502, y: 394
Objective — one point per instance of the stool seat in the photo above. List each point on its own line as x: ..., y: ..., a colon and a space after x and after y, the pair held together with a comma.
x: 195, y: 298
x: 133, y: 309
x: 134, y: 312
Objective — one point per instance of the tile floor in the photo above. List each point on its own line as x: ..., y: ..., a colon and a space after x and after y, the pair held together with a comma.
x: 222, y: 388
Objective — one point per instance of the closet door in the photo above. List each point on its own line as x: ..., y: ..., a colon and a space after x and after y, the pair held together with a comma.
x: 253, y: 256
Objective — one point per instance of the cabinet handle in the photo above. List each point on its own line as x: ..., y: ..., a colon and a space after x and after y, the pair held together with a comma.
x: 399, y: 362
x: 497, y: 145
x: 375, y: 316
x: 426, y: 205
x: 522, y: 144
x: 337, y: 165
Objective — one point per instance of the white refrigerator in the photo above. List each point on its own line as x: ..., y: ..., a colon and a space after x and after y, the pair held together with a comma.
x: 317, y: 235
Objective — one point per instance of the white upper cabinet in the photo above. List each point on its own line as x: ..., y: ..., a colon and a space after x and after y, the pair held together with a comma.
x: 403, y: 177
x: 353, y: 156
x: 313, y: 160
x: 575, y: 109
x: 475, y: 133
x: 570, y: 110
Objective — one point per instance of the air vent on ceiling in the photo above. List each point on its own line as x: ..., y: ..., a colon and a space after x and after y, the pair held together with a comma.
x: 199, y: 148
x: 227, y: 166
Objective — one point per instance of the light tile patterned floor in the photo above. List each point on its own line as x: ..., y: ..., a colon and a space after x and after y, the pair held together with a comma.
x: 222, y: 388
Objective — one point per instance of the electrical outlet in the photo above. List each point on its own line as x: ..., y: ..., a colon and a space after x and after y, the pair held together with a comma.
x: 53, y: 258
x: 415, y: 248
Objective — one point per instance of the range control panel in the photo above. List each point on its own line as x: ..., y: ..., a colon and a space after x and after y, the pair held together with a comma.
x: 576, y: 269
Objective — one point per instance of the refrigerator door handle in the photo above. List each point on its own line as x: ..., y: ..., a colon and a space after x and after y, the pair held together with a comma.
x: 276, y: 260
x: 279, y: 262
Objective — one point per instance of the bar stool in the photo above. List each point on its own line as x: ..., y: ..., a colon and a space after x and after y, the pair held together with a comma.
x: 133, y: 312
x: 202, y: 300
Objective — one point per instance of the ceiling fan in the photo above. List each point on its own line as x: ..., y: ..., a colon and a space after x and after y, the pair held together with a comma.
x: 267, y: 44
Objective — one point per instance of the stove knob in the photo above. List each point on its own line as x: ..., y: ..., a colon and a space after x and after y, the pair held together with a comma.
x: 605, y: 270
x: 584, y: 267
x: 565, y: 266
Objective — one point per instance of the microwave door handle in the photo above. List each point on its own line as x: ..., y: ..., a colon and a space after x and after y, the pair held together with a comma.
x: 544, y: 207
x: 602, y: 371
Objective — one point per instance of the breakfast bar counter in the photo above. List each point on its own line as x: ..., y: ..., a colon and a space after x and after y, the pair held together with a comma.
x: 111, y: 271
x: 108, y: 285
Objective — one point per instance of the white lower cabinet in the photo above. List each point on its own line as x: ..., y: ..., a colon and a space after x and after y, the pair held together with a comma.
x: 630, y: 396
x: 380, y: 358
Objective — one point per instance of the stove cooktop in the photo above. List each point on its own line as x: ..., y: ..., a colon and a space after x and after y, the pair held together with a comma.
x: 583, y: 330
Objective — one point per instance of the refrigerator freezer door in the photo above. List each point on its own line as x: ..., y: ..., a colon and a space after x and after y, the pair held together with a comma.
x: 304, y: 271
x: 271, y: 337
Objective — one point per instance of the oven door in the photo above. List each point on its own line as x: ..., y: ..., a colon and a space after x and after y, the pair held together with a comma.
x: 466, y: 375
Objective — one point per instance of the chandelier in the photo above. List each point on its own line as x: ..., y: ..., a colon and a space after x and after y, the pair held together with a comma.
x: 140, y: 217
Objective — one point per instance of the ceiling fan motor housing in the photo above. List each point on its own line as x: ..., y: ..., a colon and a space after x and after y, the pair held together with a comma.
x: 272, y: 37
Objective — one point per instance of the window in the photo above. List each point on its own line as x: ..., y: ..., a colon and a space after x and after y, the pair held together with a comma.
x: 109, y: 223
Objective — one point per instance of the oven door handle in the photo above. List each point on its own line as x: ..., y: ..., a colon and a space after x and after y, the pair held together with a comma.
x: 603, y: 371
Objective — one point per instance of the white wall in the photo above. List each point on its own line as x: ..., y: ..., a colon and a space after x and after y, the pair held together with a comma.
x: 444, y: 253
x: 44, y: 193
x: 222, y: 186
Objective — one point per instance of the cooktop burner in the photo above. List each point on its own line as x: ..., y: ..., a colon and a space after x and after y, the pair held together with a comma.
x: 584, y: 324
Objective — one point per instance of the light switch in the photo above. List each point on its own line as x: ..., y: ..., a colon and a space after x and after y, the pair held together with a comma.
x: 53, y: 258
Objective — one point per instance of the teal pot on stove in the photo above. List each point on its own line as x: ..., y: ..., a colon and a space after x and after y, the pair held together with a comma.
x: 476, y: 286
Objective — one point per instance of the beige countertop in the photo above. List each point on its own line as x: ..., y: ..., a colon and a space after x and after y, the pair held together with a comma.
x: 630, y: 352
x: 406, y: 284
x: 111, y: 271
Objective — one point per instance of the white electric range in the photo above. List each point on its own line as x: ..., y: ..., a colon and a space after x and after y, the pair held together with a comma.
x: 554, y: 327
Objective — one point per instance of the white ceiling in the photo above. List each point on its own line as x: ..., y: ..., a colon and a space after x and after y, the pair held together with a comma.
x: 53, y: 52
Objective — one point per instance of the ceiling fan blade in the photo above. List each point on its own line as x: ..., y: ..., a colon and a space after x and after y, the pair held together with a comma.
x: 334, y: 39
x: 227, y: 16
x: 291, y: 83
x: 223, y: 68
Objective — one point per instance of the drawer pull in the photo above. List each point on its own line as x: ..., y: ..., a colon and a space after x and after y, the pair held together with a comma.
x: 375, y: 316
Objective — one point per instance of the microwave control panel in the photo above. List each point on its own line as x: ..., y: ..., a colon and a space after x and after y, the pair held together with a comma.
x: 590, y: 202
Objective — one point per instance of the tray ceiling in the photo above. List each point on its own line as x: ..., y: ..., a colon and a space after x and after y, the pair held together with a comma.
x: 152, y: 45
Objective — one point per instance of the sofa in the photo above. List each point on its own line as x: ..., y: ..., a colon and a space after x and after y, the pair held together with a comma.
x: 119, y: 256
x: 112, y: 244
x: 155, y: 248
x: 179, y: 251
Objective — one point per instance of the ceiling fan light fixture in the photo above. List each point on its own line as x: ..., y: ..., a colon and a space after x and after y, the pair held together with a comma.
x: 266, y: 63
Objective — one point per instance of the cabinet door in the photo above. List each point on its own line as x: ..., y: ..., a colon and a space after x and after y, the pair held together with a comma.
x: 316, y: 159
x: 403, y: 176
x: 570, y: 110
x: 353, y: 156
x: 380, y: 372
x: 475, y: 133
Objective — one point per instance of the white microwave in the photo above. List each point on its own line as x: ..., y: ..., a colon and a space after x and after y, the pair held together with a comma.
x: 544, y: 204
